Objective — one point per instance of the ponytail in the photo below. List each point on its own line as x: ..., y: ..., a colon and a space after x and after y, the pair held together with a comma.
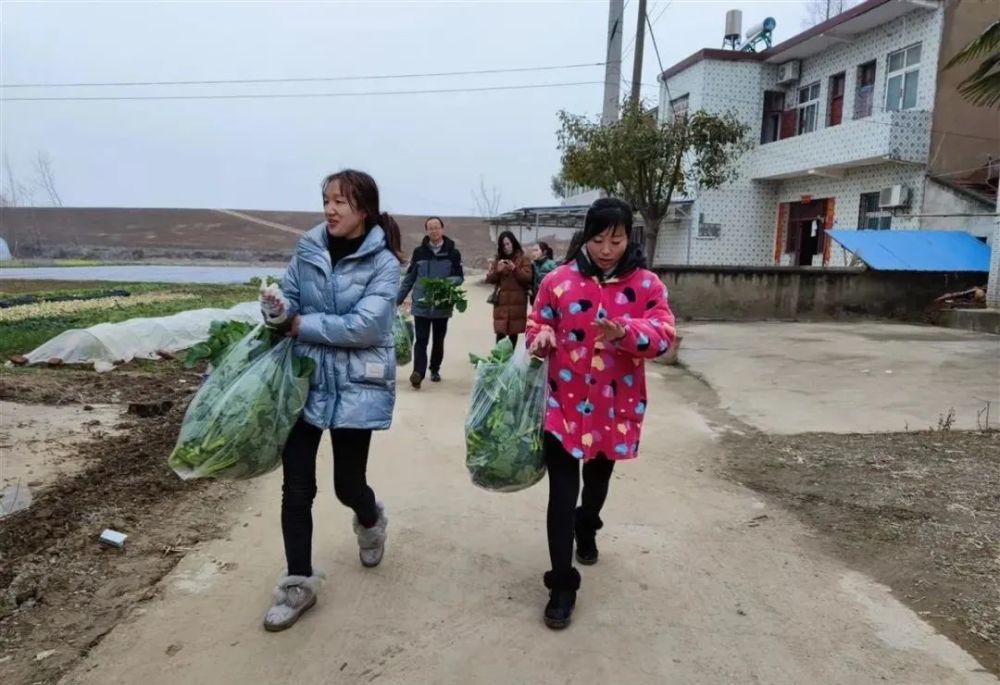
x: 393, y: 236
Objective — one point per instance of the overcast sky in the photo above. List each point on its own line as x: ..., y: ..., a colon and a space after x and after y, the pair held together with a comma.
x: 427, y: 151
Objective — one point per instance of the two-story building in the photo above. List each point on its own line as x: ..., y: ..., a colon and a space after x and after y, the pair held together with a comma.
x: 856, y: 125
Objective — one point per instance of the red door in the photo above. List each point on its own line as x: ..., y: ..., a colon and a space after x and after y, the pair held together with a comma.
x: 836, y: 99
x: 789, y: 122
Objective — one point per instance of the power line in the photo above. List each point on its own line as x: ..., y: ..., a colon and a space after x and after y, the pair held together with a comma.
x: 305, y: 79
x: 655, y: 47
x: 285, y: 96
x: 663, y: 11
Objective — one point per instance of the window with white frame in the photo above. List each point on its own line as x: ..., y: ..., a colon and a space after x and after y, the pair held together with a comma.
x: 903, y: 75
x: 808, y: 108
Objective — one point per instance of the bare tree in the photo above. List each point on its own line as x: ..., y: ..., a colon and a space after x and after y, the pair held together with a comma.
x: 10, y: 190
x: 487, y: 200
x: 10, y: 196
x: 46, y: 178
x: 818, y: 11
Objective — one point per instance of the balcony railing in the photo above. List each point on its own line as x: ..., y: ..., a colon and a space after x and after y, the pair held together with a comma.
x: 886, y: 136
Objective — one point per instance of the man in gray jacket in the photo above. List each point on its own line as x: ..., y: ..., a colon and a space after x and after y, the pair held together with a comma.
x: 435, y: 257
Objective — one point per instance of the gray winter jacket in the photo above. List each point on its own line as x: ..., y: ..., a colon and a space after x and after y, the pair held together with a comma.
x: 346, y: 328
x: 446, y: 263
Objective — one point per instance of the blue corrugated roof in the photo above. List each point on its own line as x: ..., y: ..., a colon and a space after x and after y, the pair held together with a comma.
x: 916, y: 250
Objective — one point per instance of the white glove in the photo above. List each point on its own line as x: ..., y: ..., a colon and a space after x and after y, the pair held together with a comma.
x: 273, y: 305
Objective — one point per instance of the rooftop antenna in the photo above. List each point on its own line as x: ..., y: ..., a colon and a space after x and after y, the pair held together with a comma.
x: 734, y: 30
x: 759, y: 34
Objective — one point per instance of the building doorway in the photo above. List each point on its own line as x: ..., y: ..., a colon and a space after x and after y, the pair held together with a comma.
x: 806, y: 236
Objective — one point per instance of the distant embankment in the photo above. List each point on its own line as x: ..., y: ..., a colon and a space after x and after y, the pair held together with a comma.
x: 191, y: 234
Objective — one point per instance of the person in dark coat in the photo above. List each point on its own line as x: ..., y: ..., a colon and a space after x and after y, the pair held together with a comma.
x: 512, y: 276
x: 435, y: 257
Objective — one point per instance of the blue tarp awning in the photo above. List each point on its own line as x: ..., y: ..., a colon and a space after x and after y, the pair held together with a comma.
x: 916, y: 250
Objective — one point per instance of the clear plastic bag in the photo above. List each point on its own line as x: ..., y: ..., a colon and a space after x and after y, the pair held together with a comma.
x: 503, y: 431
x: 237, y: 424
x: 402, y: 332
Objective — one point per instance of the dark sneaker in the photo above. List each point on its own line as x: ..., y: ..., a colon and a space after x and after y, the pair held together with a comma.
x: 435, y: 377
x: 415, y: 380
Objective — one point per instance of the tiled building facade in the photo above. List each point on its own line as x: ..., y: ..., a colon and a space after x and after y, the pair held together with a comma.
x: 858, y: 119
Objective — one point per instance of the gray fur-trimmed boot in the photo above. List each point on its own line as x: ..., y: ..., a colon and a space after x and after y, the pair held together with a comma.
x: 293, y: 596
x: 371, y: 541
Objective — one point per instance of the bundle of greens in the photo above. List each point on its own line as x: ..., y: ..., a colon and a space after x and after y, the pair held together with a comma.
x: 503, y: 431
x: 237, y: 424
x: 440, y: 293
x: 221, y: 336
x: 402, y: 332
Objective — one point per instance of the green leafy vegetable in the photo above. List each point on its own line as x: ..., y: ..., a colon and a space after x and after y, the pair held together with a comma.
x: 221, y: 336
x: 402, y: 331
x: 440, y: 293
x: 237, y: 424
x: 257, y: 281
x: 503, y: 431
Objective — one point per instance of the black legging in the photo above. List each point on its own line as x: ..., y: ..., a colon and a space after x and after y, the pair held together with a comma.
x: 298, y: 461
x: 564, y: 488
x: 512, y: 338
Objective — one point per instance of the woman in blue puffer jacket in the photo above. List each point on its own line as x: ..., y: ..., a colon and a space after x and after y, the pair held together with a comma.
x: 338, y: 299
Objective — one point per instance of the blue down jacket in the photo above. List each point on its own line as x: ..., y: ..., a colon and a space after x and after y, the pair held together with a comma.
x: 346, y: 328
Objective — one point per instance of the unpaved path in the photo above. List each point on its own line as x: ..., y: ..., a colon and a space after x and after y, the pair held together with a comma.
x: 261, y: 222
x: 694, y: 584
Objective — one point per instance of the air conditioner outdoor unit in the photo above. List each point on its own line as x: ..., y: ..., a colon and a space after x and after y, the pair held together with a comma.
x: 789, y: 72
x: 894, y: 196
x: 678, y: 212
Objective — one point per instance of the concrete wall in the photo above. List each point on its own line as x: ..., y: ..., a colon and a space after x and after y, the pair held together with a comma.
x: 940, y: 199
x: 963, y: 136
x: 747, y: 293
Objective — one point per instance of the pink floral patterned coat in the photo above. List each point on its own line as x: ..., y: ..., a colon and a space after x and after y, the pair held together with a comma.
x: 597, y: 398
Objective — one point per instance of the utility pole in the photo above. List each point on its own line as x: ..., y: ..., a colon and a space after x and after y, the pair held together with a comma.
x: 640, y: 39
x: 613, y: 62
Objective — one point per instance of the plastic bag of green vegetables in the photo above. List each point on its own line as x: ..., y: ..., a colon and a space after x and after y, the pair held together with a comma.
x: 237, y: 424
x: 503, y: 431
x: 402, y: 332
x: 221, y: 336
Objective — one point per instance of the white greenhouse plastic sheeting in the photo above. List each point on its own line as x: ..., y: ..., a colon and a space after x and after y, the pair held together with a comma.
x: 107, y: 344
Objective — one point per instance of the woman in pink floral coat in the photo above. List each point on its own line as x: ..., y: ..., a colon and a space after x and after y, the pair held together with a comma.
x: 597, y: 318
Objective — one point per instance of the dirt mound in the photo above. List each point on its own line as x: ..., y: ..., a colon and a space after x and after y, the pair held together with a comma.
x: 60, y: 589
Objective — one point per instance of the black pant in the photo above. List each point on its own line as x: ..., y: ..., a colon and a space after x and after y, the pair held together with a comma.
x: 424, y: 327
x: 513, y: 338
x: 564, y: 488
x: 298, y: 461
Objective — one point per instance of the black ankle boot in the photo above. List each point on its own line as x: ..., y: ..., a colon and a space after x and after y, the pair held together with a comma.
x: 562, y: 597
x: 586, y: 538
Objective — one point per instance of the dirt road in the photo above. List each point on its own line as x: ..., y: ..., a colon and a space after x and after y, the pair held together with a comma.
x: 699, y: 581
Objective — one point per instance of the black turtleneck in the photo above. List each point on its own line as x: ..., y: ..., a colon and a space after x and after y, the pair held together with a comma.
x: 342, y: 247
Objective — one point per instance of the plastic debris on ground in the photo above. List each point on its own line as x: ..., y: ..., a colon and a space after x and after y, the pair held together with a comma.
x: 15, y: 498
